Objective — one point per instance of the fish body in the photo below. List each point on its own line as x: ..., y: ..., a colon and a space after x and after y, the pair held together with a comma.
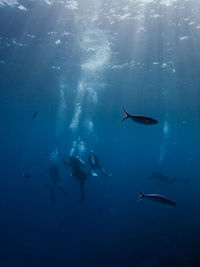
x: 140, y: 118
x: 160, y: 199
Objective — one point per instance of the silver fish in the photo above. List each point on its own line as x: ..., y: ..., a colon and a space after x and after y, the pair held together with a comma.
x: 157, y: 198
x: 139, y: 118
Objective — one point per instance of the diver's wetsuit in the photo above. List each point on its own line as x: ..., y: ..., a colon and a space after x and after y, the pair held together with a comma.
x: 76, y: 165
x: 55, y: 180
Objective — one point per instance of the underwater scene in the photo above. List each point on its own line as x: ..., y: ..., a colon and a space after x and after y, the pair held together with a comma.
x: 100, y: 133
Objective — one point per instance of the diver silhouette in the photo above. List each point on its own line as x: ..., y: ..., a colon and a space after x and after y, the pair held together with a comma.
x: 76, y: 164
x: 93, y: 161
x: 162, y: 177
x: 54, y: 182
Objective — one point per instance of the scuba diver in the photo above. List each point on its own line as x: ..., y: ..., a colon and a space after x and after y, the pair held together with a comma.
x: 93, y: 161
x: 76, y: 164
x: 162, y: 177
x: 55, y: 181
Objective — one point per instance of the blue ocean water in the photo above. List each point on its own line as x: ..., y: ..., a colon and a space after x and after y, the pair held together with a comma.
x: 75, y: 64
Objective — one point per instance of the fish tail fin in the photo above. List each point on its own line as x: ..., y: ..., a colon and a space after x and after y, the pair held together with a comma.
x: 126, y: 116
x: 141, y: 196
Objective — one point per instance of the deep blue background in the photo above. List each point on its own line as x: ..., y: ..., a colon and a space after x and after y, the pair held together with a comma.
x: 110, y: 228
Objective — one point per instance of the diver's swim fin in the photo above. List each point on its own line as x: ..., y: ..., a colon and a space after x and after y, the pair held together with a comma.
x: 53, y: 199
x: 82, y: 191
x: 127, y: 115
x: 92, y: 173
x: 62, y: 191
